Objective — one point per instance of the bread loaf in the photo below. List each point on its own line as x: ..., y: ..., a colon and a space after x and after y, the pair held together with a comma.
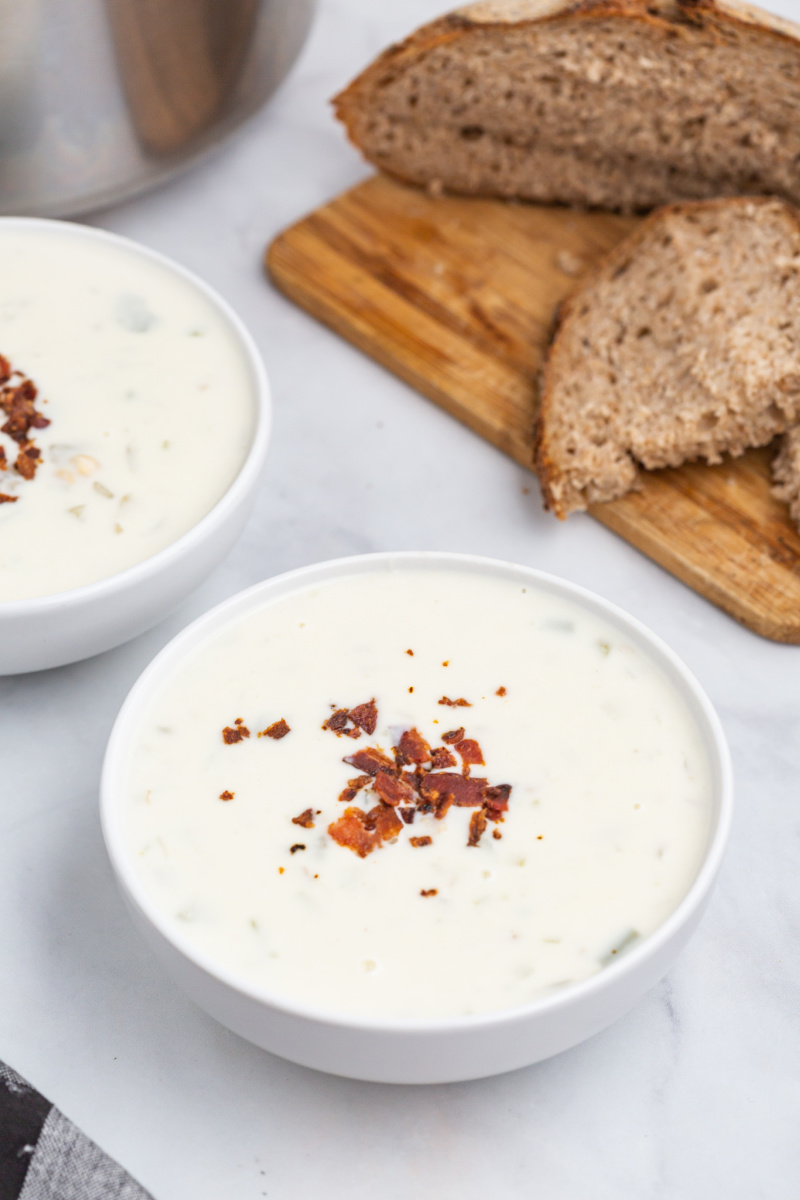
x: 621, y: 104
x: 684, y: 343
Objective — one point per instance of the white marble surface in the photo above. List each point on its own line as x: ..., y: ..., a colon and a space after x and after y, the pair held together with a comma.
x: 694, y: 1095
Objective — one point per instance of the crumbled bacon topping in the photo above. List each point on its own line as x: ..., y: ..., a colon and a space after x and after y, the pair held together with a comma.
x: 430, y: 787
x: 421, y: 841
x: 460, y: 703
x: 226, y: 795
x: 429, y: 891
x: 6, y: 499
x: 306, y: 819
x: 350, y: 721
x: 413, y: 747
x: 393, y: 791
x: 463, y: 790
x: 496, y: 801
x: 365, y: 716
x: 231, y: 735
x: 339, y: 723
x: 17, y: 402
x: 363, y: 832
x: 297, y: 846
x: 370, y: 760
x: 477, y: 825
x: 470, y: 752
x: 501, y: 691
x: 276, y: 731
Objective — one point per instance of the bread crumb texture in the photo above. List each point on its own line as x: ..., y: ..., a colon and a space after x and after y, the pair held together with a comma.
x: 683, y: 344
x: 609, y: 103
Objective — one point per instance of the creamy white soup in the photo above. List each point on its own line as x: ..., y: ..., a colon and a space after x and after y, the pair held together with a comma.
x: 128, y: 408
x: 417, y: 793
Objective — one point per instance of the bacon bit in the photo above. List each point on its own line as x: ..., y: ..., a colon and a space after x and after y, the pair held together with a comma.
x: 442, y: 758
x: 411, y: 652
x: 495, y: 801
x: 226, y: 795
x: 463, y: 791
x: 27, y: 461
x: 477, y: 825
x: 306, y: 819
x: 496, y: 834
x: 297, y: 846
x: 455, y: 735
x: 446, y: 662
x: 276, y: 731
x: 408, y: 815
x: 501, y: 691
x: 6, y: 499
x: 354, y: 786
x: 429, y: 892
x: 470, y: 752
x: 460, y: 703
x: 231, y: 736
x: 421, y: 841
x: 392, y: 790
x: 413, y: 747
x: 3, y: 460
x: 5, y: 369
x: 338, y: 721
x: 361, y: 832
x: 370, y: 760
x: 365, y: 715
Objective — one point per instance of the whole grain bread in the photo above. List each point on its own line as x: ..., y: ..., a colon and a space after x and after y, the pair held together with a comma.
x: 786, y: 473
x: 620, y: 104
x: 683, y: 343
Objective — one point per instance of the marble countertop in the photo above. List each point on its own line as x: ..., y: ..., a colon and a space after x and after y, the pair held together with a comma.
x: 694, y: 1094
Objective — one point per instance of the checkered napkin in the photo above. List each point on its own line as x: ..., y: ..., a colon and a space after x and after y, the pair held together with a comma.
x: 44, y: 1157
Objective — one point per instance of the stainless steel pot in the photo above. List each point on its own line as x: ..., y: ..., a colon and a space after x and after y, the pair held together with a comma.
x: 100, y: 99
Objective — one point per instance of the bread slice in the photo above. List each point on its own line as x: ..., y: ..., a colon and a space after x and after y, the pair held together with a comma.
x: 619, y: 104
x: 786, y: 473
x: 684, y: 343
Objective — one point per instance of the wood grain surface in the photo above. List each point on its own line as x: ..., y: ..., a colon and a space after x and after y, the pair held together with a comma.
x: 457, y: 297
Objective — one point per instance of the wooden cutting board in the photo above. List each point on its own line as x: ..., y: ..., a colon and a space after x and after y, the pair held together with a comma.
x: 457, y: 296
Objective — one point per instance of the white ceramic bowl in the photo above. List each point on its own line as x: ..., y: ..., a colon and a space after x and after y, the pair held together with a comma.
x: 413, y: 1051
x: 48, y: 631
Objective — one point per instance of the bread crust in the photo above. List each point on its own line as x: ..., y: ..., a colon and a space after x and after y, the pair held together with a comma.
x: 548, y: 472
x: 496, y: 15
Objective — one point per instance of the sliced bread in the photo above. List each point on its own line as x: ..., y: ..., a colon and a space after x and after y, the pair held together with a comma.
x: 684, y: 343
x: 786, y: 473
x: 620, y: 104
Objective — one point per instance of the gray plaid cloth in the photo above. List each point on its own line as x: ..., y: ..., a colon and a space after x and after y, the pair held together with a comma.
x: 44, y: 1157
